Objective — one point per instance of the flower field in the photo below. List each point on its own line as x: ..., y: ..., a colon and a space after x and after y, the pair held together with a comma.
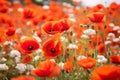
x: 59, y: 41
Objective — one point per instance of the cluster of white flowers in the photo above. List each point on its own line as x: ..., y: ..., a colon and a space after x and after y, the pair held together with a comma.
x: 22, y: 67
x: 20, y: 9
x: 14, y: 53
x: 3, y: 59
x: 61, y: 65
x: 81, y: 57
x: 84, y: 36
x: 101, y: 59
x: 3, y: 67
x: 63, y: 39
x: 111, y: 24
x: 89, y: 32
x: 72, y: 46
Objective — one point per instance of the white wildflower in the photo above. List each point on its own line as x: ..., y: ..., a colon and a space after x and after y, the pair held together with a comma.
x: 37, y: 38
x: 111, y: 35
x: 38, y: 0
x: 37, y: 57
x: 81, y: 57
x: 17, y: 59
x: 116, y: 40
x: 18, y: 31
x: 3, y: 67
x: 63, y: 39
x: 72, y: 19
x: 3, y: 59
x: 61, y: 65
x: 45, y: 7
x: 85, y: 36
x: 89, y: 32
x: 116, y: 28
x: 28, y: 23
x: 23, y: 37
x: 53, y: 60
x: 21, y: 67
x: 29, y: 67
x: 14, y: 53
x: 107, y: 42
x: 8, y: 43
x: 72, y: 46
x: 111, y: 25
x: 101, y: 59
x: 38, y: 51
x: 20, y: 9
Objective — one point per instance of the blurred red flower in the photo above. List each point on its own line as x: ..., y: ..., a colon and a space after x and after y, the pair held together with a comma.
x: 47, y: 69
x: 106, y: 72
x: 87, y: 62
x: 115, y: 59
x: 96, y: 17
x: 23, y: 78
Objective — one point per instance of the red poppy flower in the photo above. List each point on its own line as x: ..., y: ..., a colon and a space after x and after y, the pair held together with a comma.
x: 47, y: 69
x: 87, y: 62
x: 4, y: 9
x: 26, y: 59
x: 115, y: 59
x: 28, y: 45
x: 52, y: 27
x: 2, y: 39
x: 101, y: 48
x: 52, y: 48
x: 28, y: 14
x: 23, y: 78
x: 96, y: 17
x: 10, y: 31
x: 65, y: 24
x: 106, y: 72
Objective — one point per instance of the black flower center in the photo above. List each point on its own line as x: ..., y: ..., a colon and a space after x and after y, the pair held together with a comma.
x: 51, y: 30
x: 28, y: 16
x: 53, y: 50
x: 30, y: 47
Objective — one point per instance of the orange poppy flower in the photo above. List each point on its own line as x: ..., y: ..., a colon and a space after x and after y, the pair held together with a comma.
x: 4, y: 3
x: 26, y: 59
x: 23, y: 78
x: 47, y: 69
x: 115, y: 59
x: 5, y: 19
x: 87, y: 62
x: 106, y: 72
x: 2, y: 39
x: 68, y: 65
x: 28, y: 45
x: 113, y: 6
x: 96, y: 17
x: 52, y: 48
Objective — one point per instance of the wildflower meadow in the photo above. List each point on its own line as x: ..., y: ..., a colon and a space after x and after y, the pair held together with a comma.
x: 59, y: 40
